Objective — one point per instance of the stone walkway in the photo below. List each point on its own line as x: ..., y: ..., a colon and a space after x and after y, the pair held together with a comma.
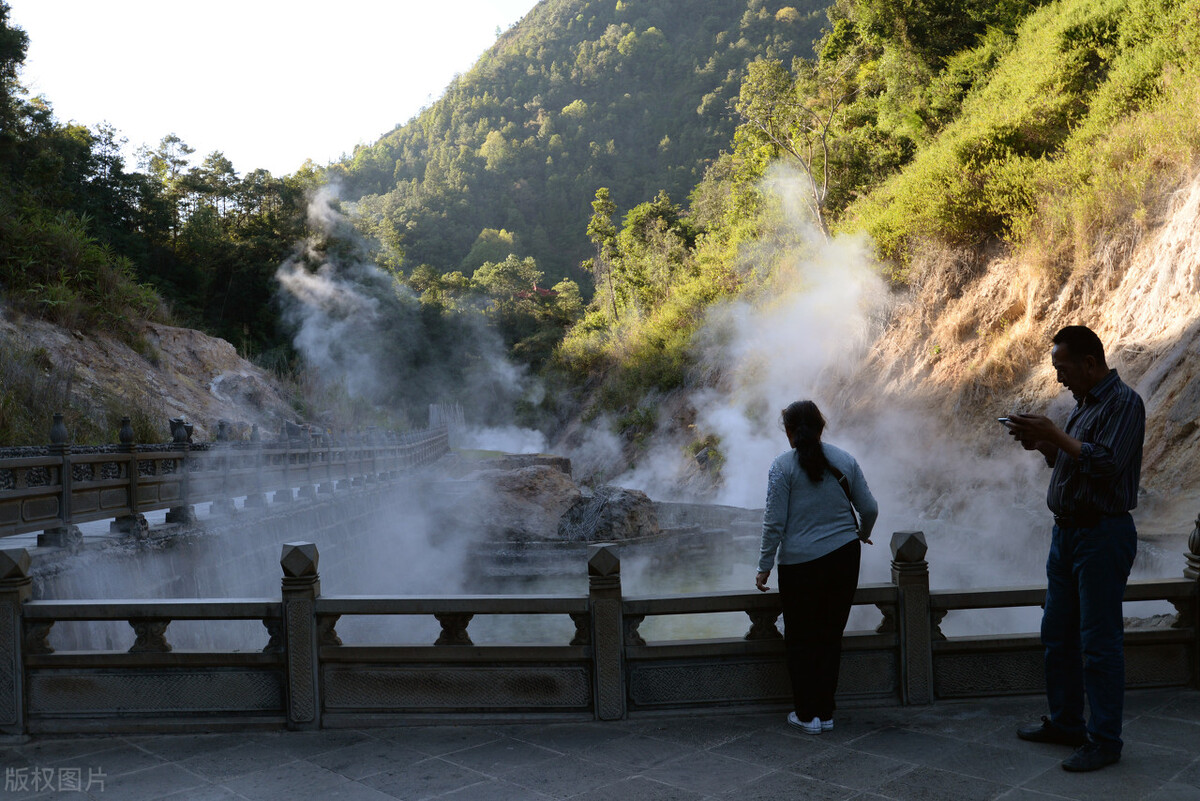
x: 952, y: 751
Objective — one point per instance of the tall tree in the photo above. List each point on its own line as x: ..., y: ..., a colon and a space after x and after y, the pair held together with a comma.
x: 603, y: 234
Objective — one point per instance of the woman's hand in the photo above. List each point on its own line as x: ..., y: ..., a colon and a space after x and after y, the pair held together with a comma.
x: 760, y: 580
x: 867, y: 540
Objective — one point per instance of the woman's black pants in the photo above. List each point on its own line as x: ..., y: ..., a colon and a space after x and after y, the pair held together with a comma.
x: 816, y: 598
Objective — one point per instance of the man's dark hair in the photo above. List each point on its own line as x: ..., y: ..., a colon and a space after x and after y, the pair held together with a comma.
x: 1081, y: 341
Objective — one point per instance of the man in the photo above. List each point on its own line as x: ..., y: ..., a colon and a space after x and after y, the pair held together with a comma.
x: 1097, y: 463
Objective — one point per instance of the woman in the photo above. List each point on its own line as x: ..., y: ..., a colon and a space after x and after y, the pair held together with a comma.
x: 812, y: 493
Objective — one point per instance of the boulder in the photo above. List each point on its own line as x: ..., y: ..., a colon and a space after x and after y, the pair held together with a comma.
x: 523, y: 504
x: 609, y: 514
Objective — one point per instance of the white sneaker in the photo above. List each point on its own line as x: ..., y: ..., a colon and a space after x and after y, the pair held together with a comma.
x: 827, y: 725
x: 810, y: 727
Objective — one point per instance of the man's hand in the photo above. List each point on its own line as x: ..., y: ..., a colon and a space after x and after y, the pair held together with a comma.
x: 1044, y: 436
x: 760, y: 580
x: 1033, y: 428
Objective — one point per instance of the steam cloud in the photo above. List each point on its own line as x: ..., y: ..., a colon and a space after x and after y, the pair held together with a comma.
x: 807, y: 335
x: 360, y: 329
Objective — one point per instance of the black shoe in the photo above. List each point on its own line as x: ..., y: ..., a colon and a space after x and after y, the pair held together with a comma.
x: 1090, y: 756
x: 1047, y: 732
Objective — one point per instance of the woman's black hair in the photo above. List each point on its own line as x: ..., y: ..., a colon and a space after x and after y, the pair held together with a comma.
x: 803, y: 423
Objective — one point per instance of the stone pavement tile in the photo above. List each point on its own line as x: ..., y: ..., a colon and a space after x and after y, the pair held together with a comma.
x: 351, y: 791
x: 568, y: 738
x: 238, y: 760
x: 1005, y: 736
x: 1008, y: 766
x: 1188, y: 775
x: 425, y: 779
x: 367, y: 758
x: 174, y: 747
x: 1170, y: 732
x: 297, y: 779
x: 209, y: 792
x: 301, y: 744
x: 707, y: 773
x: 639, y: 788
x: 1172, y: 791
x: 1144, y: 702
x: 783, y: 784
x: 1156, y: 760
x: 757, y: 720
x: 702, y: 731
x: 932, y: 784
x: 967, y: 721
x: 494, y: 790
x: 501, y: 756
x: 119, y: 758
x: 1182, y: 705
x: 853, y: 769
x: 1023, y: 794
x: 566, y: 775
x: 1113, y: 783
x: 144, y: 785
x: 124, y: 758
x: 635, y: 753
x: 49, y: 751
x: 906, y: 746
x: 776, y: 749
x: 438, y: 740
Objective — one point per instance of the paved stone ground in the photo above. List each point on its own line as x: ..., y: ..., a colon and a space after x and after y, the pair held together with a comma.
x: 952, y: 751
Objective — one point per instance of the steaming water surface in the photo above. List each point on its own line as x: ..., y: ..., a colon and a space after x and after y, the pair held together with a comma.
x: 413, y: 548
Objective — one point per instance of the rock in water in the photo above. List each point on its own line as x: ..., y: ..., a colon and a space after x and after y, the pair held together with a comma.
x: 609, y: 514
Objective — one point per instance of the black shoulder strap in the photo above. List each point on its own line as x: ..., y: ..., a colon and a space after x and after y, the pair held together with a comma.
x: 845, y: 483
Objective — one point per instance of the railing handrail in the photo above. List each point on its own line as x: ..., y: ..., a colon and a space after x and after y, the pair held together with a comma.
x: 451, y: 604
x: 183, y: 475
x: 1163, y: 589
x: 174, y: 609
x: 736, y: 601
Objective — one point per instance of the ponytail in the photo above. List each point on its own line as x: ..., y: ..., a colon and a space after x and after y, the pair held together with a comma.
x: 803, y: 423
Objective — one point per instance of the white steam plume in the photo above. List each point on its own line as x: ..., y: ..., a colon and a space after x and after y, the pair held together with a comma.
x: 806, y: 335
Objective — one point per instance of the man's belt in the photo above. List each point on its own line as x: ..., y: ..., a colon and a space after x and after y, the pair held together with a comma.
x: 1079, y: 519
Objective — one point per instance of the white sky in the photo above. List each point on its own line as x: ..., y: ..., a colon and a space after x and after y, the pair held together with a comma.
x: 268, y: 82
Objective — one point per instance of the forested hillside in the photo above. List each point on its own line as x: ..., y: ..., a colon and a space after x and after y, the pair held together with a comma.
x: 634, y: 95
x: 900, y: 226
x: 900, y: 216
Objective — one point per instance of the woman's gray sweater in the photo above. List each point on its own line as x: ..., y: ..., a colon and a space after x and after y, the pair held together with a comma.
x: 803, y: 520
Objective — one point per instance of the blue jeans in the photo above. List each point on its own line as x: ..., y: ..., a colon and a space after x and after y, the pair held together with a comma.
x: 1083, y: 629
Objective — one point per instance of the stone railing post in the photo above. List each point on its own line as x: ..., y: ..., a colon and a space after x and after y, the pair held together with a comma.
x: 183, y: 513
x: 910, y: 574
x: 225, y: 456
x: 66, y: 535
x: 608, y: 641
x: 301, y: 586
x: 16, y: 587
x: 255, y: 497
x: 133, y: 524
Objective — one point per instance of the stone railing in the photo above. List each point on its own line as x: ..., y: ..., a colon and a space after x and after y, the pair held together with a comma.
x: 63, y: 486
x: 305, y: 676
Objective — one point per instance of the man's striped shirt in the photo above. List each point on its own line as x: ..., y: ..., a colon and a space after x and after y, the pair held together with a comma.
x: 1110, y: 421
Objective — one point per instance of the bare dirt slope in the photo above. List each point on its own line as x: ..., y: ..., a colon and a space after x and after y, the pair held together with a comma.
x: 183, y: 372
x: 972, y: 341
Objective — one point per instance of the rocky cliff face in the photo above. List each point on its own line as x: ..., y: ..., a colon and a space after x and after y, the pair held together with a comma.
x: 184, y: 372
x: 972, y: 342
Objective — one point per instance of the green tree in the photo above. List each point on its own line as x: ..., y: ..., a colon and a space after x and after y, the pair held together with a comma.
x: 603, y: 234
x: 797, y: 114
